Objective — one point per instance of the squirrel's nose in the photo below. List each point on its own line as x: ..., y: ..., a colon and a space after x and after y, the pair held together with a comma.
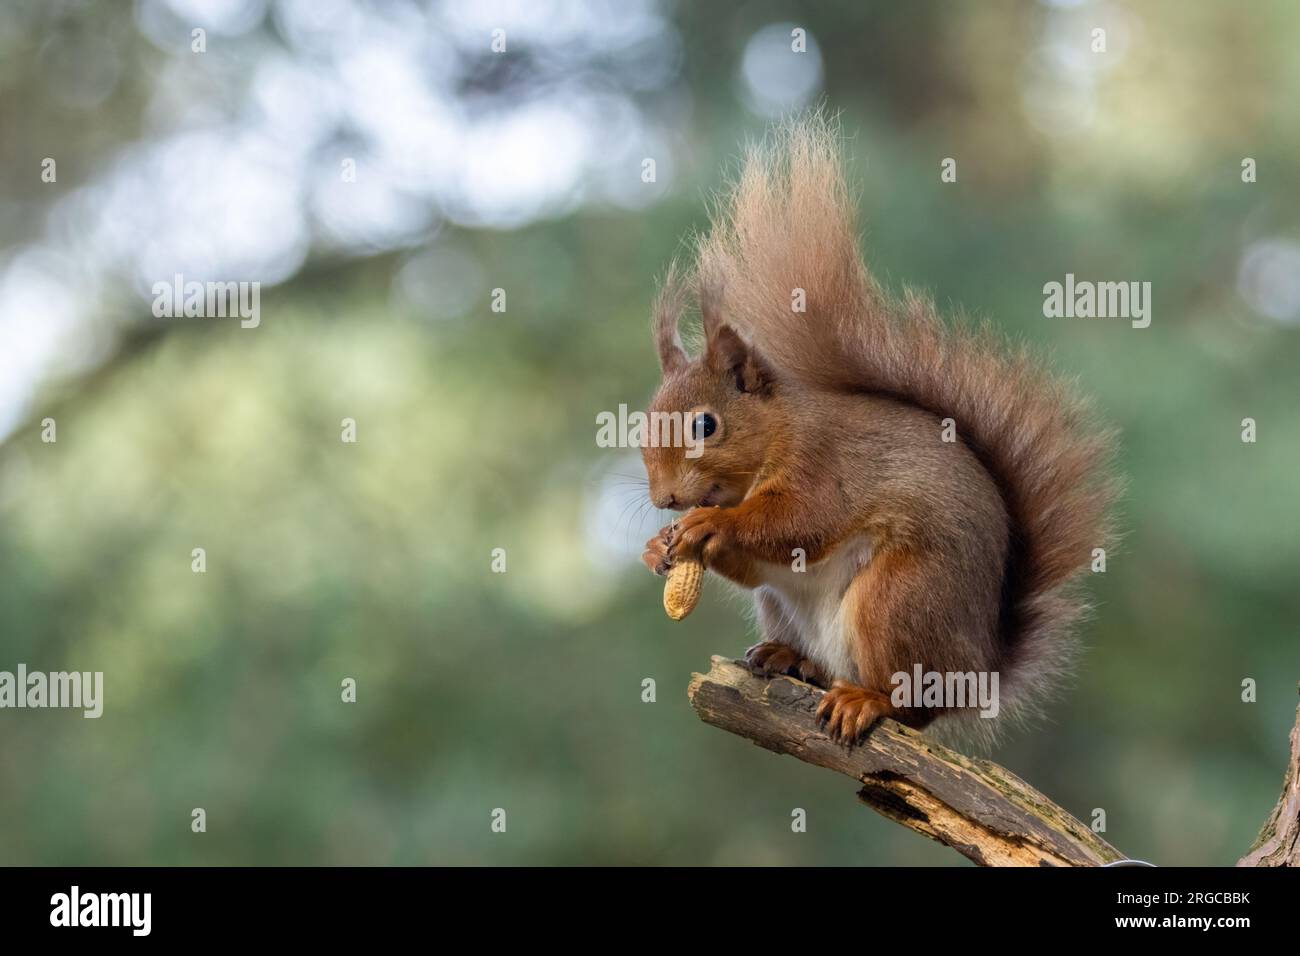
x: 664, y: 501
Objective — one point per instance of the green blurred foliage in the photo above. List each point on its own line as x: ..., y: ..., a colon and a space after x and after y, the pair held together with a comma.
x: 523, y: 690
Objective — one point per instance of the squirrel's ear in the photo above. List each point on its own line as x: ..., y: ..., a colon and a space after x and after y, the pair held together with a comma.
x: 729, y: 354
x: 669, y: 305
x: 726, y: 352
x: 671, y: 354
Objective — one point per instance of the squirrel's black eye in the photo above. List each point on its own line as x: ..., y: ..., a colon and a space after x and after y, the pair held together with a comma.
x: 705, y: 425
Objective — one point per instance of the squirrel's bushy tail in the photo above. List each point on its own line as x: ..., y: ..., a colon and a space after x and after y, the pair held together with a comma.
x: 789, y: 224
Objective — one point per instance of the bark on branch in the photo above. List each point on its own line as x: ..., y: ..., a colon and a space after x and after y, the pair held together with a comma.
x: 1278, y: 843
x: 978, y: 808
x: 981, y: 810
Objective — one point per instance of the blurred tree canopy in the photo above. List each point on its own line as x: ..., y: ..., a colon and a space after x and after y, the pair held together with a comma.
x: 523, y: 171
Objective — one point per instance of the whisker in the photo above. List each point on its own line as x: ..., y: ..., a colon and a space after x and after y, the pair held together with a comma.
x: 633, y: 503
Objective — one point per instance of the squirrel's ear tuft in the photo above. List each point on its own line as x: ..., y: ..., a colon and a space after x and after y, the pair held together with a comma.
x: 668, y: 309
x: 729, y: 354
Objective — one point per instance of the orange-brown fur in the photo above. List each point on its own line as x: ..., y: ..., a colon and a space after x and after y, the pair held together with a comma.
x: 959, y: 556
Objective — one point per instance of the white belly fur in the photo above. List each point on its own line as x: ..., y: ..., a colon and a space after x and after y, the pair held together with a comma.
x: 817, y: 615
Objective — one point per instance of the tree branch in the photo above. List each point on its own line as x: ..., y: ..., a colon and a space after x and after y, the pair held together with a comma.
x: 978, y: 808
x: 1278, y: 843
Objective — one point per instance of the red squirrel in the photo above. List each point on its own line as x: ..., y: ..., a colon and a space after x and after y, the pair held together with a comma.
x: 942, y: 489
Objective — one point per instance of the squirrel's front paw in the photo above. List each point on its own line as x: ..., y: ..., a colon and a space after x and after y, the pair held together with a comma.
x: 655, y: 557
x: 701, y: 534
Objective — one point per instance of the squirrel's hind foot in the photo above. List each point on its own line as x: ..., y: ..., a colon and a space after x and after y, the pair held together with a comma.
x: 847, y: 711
x: 772, y: 657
